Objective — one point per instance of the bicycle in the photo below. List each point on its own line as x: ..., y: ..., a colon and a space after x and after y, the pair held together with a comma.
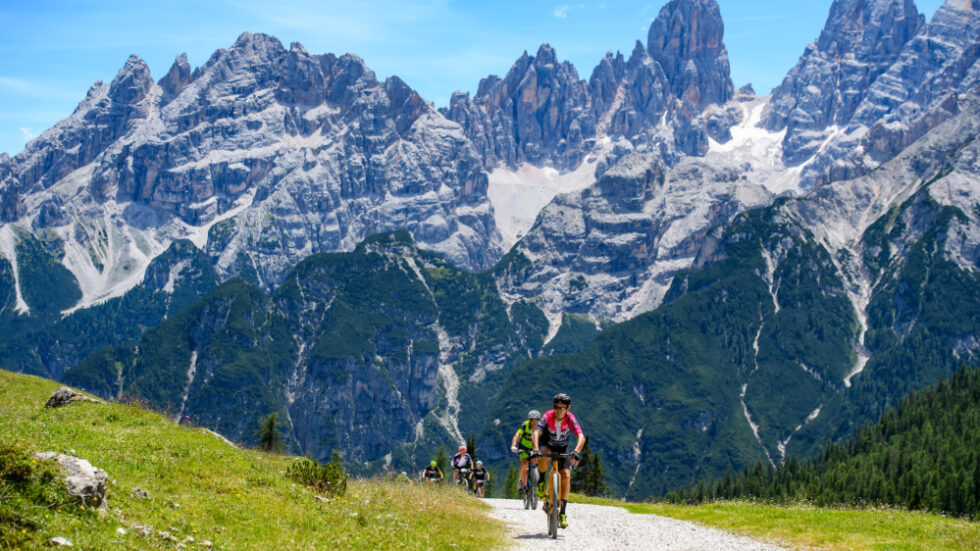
x: 462, y: 480
x: 479, y: 487
x: 528, y: 493
x: 551, y: 506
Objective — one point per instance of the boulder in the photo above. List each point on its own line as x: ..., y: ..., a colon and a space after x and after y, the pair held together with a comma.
x: 82, y: 480
x: 64, y: 396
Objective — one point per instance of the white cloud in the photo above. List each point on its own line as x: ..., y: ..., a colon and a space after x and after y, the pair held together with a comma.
x: 28, y: 134
x: 561, y: 12
x: 17, y: 84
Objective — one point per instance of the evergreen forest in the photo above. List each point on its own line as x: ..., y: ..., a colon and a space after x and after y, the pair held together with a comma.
x: 924, y: 455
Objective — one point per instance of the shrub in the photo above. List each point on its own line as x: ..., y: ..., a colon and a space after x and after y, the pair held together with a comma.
x: 327, y: 478
x: 27, y: 488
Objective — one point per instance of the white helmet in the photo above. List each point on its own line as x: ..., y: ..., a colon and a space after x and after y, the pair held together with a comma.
x: 534, y: 414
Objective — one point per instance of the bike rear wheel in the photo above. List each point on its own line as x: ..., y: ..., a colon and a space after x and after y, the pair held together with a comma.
x: 532, y: 488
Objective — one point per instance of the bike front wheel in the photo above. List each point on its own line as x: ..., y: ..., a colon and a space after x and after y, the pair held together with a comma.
x: 555, y: 502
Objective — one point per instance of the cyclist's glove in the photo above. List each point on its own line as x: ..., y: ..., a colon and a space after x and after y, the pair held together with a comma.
x: 513, y: 449
x: 577, y: 456
x: 535, y: 453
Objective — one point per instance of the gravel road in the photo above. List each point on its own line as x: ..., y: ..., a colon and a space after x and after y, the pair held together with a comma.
x: 595, y: 527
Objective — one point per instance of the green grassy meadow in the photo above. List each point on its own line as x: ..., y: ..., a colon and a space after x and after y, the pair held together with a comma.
x: 201, y: 487
x: 824, y: 528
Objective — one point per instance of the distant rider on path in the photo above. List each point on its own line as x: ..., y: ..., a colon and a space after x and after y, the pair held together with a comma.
x: 552, y: 436
x: 480, y: 477
x: 432, y: 472
x: 461, y: 460
x: 522, y: 443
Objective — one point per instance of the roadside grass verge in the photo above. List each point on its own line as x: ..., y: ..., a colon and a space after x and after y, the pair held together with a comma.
x: 827, y: 528
x: 200, y: 487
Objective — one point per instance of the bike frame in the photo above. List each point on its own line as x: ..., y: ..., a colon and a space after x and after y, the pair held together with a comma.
x: 551, y: 505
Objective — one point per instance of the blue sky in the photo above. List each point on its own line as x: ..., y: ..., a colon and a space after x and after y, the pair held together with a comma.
x: 52, y: 51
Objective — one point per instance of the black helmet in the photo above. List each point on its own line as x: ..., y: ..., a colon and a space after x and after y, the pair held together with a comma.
x: 562, y: 398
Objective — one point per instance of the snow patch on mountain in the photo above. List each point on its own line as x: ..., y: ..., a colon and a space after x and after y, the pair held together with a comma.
x: 758, y: 150
x: 517, y: 196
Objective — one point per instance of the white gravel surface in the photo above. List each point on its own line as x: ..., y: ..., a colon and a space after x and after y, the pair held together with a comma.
x: 596, y: 527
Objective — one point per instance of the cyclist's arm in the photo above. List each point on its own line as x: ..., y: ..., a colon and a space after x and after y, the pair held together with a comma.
x: 535, y: 437
x: 517, y: 436
x: 579, y: 435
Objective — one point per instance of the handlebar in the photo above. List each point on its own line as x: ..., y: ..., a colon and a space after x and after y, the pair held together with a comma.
x: 553, y: 455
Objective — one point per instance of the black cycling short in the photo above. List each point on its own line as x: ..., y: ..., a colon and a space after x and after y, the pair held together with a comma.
x: 563, y: 462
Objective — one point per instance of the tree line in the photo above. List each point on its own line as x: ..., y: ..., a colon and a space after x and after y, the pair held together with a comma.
x: 923, y: 455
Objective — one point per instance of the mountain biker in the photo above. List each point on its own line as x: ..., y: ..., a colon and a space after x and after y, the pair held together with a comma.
x: 480, y: 476
x: 461, y: 460
x: 522, y: 443
x: 432, y: 472
x: 552, y: 436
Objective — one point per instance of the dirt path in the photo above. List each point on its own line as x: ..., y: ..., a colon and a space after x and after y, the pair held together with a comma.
x: 595, y: 527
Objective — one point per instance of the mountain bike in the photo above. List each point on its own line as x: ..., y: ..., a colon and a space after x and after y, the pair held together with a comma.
x: 479, y: 487
x: 551, y: 505
x: 528, y: 492
x: 462, y: 480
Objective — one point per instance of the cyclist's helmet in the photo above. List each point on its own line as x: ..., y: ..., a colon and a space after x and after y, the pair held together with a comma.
x: 404, y: 473
x: 479, y: 463
x: 562, y: 398
x: 534, y: 414
x: 462, y: 449
x: 432, y: 463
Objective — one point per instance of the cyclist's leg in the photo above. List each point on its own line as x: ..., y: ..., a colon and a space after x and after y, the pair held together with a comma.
x: 523, y: 481
x: 565, y: 477
x: 542, y: 469
x: 543, y: 465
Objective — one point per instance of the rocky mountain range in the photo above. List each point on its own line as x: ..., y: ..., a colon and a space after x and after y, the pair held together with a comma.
x: 651, y: 227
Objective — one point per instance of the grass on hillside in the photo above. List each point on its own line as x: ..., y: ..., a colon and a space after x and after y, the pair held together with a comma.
x: 200, y: 487
x: 825, y: 528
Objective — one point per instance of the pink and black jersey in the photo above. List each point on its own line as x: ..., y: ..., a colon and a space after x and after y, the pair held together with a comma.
x: 555, y: 435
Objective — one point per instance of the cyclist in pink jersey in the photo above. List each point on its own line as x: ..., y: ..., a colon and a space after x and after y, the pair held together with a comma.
x: 552, y: 436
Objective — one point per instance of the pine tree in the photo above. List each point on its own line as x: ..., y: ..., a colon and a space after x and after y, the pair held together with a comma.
x: 270, y: 439
x: 510, y: 483
x: 442, y: 460
x: 489, y: 485
x: 582, y: 472
x: 596, y: 485
x: 471, y: 447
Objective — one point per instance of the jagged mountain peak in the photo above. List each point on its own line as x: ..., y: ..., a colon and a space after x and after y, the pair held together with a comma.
x: 257, y: 41
x: 178, y: 77
x: 861, y: 39
x: 686, y: 38
x: 639, y: 55
x: 867, y: 26
x: 132, y: 82
x: 546, y: 55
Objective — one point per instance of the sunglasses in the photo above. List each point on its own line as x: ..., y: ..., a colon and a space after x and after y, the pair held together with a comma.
x: 561, y: 407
